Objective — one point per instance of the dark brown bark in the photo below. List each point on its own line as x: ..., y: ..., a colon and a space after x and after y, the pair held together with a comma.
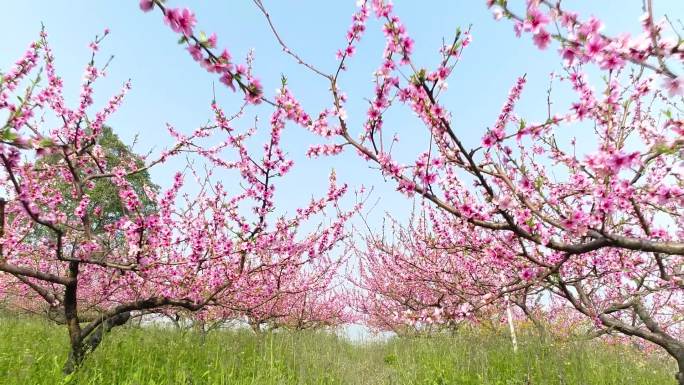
x: 88, y: 343
x: 256, y: 327
x: 71, y: 318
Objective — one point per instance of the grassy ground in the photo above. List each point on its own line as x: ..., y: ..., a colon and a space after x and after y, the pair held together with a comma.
x: 32, y: 352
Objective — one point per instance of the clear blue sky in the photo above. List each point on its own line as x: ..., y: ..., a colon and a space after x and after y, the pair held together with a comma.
x: 169, y: 87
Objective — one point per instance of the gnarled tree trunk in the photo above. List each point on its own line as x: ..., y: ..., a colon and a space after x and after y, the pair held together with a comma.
x: 85, y: 344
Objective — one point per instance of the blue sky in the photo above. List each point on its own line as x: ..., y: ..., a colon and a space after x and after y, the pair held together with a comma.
x: 169, y: 87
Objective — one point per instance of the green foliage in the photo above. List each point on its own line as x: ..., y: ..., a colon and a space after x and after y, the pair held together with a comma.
x: 32, y: 352
x: 8, y: 135
x: 105, y: 193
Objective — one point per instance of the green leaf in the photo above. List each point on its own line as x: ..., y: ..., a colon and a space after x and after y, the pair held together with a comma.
x: 45, y: 142
x: 8, y: 136
x: 421, y: 75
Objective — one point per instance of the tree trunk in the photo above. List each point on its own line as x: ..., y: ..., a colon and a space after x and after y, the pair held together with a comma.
x: 92, y: 341
x: 202, y: 330
x: 256, y: 327
x: 87, y: 344
x: 75, y: 357
x: 509, y: 318
x: 71, y: 318
x: 538, y: 325
x: 680, y: 365
x: 511, y: 326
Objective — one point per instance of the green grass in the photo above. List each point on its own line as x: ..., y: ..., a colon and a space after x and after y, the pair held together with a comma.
x: 32, y: 352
